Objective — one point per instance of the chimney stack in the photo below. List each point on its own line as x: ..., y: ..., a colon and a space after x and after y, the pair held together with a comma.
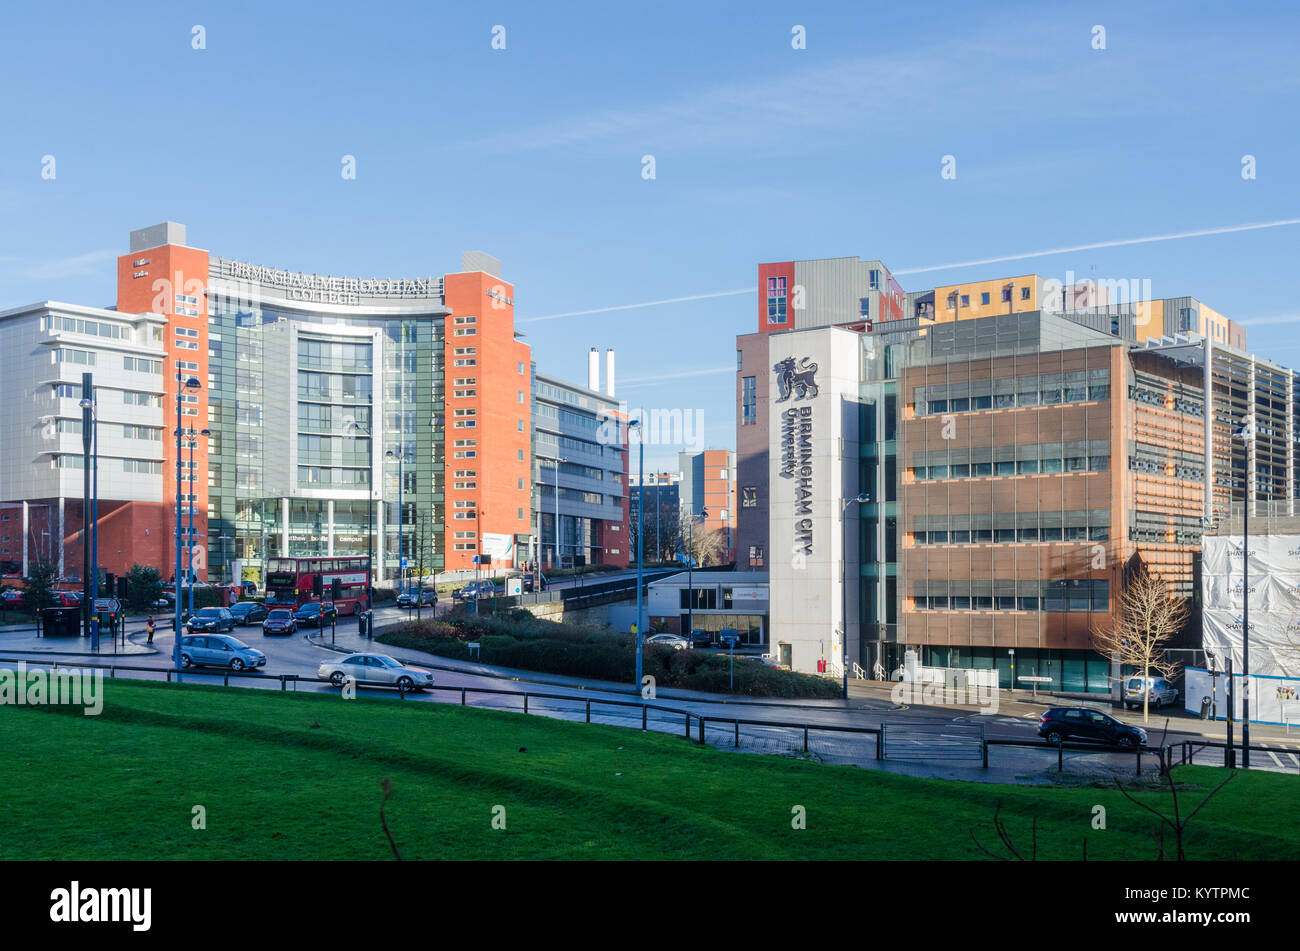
x: 609, y: 372
x: 593, y: 370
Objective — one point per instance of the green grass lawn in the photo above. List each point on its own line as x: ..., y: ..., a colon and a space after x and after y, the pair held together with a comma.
x: 297, y: 776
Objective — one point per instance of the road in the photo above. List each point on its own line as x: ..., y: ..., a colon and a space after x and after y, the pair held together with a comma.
x: 919, y: 740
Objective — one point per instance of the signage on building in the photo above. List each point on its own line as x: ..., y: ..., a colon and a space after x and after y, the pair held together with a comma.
x: 796, y: 381
x: 498, y: 546
x: 295, y: 285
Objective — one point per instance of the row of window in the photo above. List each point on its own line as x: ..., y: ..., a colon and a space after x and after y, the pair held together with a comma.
x: 91, y: 328
x: 1052, y: 396
x: 1048, y: 466
x: 1068, y: 533
x: 1057, y: 597
x: 985, y: 298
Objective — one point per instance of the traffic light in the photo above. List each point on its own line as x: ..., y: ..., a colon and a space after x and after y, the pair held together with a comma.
x: 316, y: 588
x: 110, y: 583
x: 336, y: 589
x: 123, y: 588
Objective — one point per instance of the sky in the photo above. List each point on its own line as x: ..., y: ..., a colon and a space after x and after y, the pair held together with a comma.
x: 536, y: 154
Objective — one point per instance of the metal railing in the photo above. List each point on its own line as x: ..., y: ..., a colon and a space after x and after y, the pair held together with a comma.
x: 1162, y: 754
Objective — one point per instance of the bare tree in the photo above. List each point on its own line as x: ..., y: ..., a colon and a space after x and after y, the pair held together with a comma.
x: 1149, y: 618
x: 705, y: 547
x: 422, y: 544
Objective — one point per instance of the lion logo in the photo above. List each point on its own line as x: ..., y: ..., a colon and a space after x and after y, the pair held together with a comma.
x: 796, y: 379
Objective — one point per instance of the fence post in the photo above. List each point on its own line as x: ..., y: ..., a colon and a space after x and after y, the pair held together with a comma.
x: 688, y: 726
x: 169, y: 675
x: 401, y: 690
x: 462, y: 696
x: 1060, y: 756
x: 112, y: 672
x: 701, y: 729
x: 226, y: 680
x: 643, y: 716
x: 284, y: 684
x: 588, y: 711
x: 985, y: 744
x: 880, y: 743
x: 805, y: 738
x: 1139, y: 761
x: 525, y: 701
x: 736, y: 723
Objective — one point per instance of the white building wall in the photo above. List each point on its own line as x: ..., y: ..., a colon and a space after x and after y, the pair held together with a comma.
x: 804, y: 510
x: 29, y: 427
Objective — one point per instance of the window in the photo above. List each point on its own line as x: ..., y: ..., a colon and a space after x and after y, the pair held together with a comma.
x: 984, y: 298
x: 965, y: 300
x: 1006, y: 295
x: 873, y: 279
x: 84, y: 357
x: 1024, y: 293
x: 756, y: 556
x: 749, y: 497
x: 776, y: 301
x: 749, y: 401
x: 864, y: 306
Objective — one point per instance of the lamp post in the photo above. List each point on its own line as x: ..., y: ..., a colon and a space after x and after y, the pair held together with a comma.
x: 189, y: 547
x: 690, y: 565
x: 401, y: 485
x: 94, y: 491
x: 191, y: 384
x: 87, y: 388
x: 1247, y: 436
x: 557, y: 460
x: 355, y: 427
x: 640, y: 544
x: 860, y: 499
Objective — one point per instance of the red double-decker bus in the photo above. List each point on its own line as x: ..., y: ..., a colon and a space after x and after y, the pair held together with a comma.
x: 293, y: 582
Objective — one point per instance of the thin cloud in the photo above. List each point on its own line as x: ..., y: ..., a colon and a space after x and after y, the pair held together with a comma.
x: 649, y: 303
x: 1117, y: 243
x: 638, y: 381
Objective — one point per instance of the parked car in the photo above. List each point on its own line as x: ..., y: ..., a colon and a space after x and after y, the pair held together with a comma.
x: 669, y: 640
x: 67, y: 599
x: 729, y: 637
x: 1156, y: 690
x: 219, y: 650
x: 475, y: 589
x: 410, y: 599
x: 375, y: 669
x: 699, y: 638
x: 165, y: 603
x: 249, y: 612
x: 315, y: 614
x: 1084, y: 723
x: 214, y: 620
x: 279, y: 621
x: 13, y: 601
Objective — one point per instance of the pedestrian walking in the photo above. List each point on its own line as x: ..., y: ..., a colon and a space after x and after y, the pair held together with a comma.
x: 148, y: 626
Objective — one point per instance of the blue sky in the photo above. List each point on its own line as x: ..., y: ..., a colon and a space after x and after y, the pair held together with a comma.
x: 762, y: 153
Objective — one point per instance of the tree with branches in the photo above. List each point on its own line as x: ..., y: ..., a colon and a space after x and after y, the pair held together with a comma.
x: 1149, y: 619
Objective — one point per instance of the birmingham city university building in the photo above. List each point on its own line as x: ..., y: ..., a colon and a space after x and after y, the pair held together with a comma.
x: 312, y: 390
x: 981, y: 461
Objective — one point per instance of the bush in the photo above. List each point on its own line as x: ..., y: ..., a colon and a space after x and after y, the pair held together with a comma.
x: 572, y: 650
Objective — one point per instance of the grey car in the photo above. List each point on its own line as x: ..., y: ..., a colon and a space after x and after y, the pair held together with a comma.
x: 219, y: 650
x: 374, y: 669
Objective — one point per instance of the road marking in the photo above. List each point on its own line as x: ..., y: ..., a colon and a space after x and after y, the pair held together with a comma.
x: 1275, y: 759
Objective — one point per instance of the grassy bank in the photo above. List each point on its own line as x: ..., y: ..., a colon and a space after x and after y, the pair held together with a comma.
x: 524, y: 642
x: 297, y: 776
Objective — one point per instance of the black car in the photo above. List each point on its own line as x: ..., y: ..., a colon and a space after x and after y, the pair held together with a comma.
x: 316, y: 614
x: 699, y: 638
x: 1084, y: 723
x: 249, y: 612
x: 212, y: 620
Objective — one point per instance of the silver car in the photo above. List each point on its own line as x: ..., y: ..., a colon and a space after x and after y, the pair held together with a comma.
x: 219, y: 650
x: 669, y: 640
x: 374, y: 669
x: 1161, y: 692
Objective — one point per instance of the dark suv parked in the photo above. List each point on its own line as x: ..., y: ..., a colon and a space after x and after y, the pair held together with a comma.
x: 1083, y: 723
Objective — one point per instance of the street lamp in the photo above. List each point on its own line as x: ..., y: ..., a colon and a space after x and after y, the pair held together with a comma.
x: 191, y: 384
x: 1247, y: 436
x: 690, y: 565
x: 189, y: 557
x: 87, y: 403
x: 861, y: 498
x: 401, y: 485
x: 640, y: 542
x: 557, y: 460
x: 356, y: 427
